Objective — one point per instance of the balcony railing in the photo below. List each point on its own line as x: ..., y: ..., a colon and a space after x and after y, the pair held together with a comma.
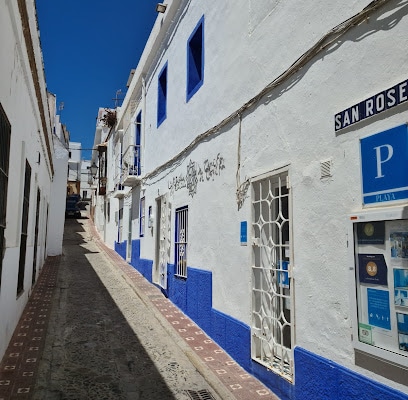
x: 119, y: 191
x: 131, y: 166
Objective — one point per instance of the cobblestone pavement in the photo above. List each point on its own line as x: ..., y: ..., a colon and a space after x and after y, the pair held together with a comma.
x: 112, y: 335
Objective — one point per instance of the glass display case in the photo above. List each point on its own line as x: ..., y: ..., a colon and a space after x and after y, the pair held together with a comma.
x: 380, y: 274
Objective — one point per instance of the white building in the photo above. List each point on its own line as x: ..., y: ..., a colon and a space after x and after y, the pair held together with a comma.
x: 256, y: 173
x: 86, y: 180
x: 74, y: 168
x: 28, y: 169
x: 59, y: 182
x: 100, y: 206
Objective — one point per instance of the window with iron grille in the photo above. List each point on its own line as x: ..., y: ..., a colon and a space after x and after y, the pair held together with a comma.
x: 24, y: 228
x: 181, y: 241
x: 142, y: 213
x: 271, y: 331
x: 5, y: 133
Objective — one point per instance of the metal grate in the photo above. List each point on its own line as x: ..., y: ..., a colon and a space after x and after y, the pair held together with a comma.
x: 325, y: 169
x: 271, y: 284
x: 200, y: 395
x: 181, y: 241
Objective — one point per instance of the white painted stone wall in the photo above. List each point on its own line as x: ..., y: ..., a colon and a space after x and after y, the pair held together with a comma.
x: 101, y: 204
x: 31, y: 140
x: 56, y: 217
x: 85, y: 174
x: 74, y: 162
x: 248, y: 46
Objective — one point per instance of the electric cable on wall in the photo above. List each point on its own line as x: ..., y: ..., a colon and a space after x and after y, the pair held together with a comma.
x: 325, y: 41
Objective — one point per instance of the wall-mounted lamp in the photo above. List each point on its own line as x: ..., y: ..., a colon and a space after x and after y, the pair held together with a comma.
x: 94, y: 169
x: 161, y: 7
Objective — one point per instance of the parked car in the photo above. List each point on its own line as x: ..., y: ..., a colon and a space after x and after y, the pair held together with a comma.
x: 74, y: 196
x: 71, y: 208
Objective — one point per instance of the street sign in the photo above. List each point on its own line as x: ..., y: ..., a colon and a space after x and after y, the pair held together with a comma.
x: 384, y: 161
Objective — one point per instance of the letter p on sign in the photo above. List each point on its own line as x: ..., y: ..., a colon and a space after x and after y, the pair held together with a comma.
x: 387, y: 154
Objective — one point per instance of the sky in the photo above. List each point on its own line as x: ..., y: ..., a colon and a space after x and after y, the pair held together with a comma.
x: 89, y: 48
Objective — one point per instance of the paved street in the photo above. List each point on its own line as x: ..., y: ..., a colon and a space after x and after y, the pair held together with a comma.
x: 103, y: 341
x: 94, y: 328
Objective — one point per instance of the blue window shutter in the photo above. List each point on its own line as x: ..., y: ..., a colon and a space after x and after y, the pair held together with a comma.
x: 162, y: 96
x: 195, y: 59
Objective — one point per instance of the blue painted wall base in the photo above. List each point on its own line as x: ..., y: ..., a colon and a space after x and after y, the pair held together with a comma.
x: 145, y: 267
x: 316, y: 378
x: 120, y: 248
x: 320, y: 378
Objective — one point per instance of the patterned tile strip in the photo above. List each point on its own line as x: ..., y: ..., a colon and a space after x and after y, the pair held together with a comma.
x: 239, y: 383
x: 19, y: 366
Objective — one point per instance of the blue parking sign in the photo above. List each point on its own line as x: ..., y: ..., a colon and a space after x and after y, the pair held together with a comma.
x: 384, y: 165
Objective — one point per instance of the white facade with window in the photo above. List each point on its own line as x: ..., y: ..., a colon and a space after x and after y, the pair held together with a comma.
x: 248, y: 127
x: 74, y: 168
x: 30, y: 170
x: 86, y: 180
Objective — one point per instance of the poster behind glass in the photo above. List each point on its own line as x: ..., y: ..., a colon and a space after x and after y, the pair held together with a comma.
x: 381, y: 257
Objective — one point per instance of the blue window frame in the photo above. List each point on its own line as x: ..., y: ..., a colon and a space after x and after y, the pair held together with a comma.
x: 162, y: 96
x: 195, y: 59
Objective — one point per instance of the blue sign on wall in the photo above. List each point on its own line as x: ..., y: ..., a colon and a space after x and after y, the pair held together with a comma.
x: 384, y: 162
x: 379, y: 308
x: 283, y: 276
x: 244, y: 232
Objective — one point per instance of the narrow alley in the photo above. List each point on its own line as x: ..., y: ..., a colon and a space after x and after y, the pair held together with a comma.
x: 94, y: 328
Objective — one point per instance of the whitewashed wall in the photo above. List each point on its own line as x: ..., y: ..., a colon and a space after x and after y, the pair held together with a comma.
x: 74, y: 162
x: 31, y: 139
x: 247, y: 46
x: 56, y: 216
x: 85, y: 174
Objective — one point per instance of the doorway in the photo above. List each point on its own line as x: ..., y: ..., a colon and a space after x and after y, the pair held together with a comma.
x: 163, y: 231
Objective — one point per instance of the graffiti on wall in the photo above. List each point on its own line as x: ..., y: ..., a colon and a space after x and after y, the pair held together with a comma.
x: 197, y: 173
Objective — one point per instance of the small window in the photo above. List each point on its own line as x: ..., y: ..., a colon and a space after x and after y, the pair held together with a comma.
x: 181, y: 241
x: 142, y: 217
x: 195, y: 60
x: 162, y: 96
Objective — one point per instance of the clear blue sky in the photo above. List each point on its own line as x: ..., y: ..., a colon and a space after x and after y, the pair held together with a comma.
x: 89, y: 48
